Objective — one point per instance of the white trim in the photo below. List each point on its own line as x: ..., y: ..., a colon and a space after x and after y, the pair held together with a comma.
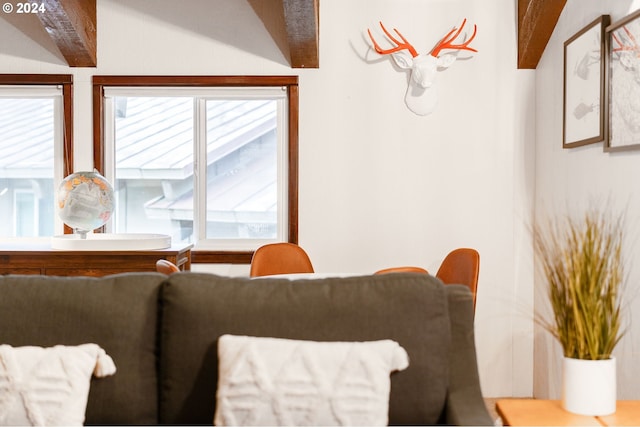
x: 283, y: 170
x: 200, y: 170
x: 109, y: 158
x: 58, y: 157
x: 30, y: 91
x: 210, y: 92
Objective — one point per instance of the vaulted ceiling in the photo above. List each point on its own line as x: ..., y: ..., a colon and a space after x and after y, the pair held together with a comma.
x: 72, y: 26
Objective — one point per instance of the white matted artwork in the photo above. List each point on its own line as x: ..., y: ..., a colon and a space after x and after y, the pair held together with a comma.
x: 584, y: 69
x: 623, y: 84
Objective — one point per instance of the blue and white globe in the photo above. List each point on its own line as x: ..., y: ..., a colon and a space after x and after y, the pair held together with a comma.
x: 85, y: 201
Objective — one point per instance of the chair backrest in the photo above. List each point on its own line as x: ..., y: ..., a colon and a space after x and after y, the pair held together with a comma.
x: 280, y: 258
x: 461, y: 266
x: 403, y: 269
x: 166, y: 267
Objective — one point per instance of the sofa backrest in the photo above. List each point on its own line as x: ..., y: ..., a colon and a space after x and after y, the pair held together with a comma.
x: 119, y: 313
x: 198, y: 308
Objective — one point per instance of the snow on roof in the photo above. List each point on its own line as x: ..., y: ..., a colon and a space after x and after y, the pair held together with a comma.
x: 155, y: 135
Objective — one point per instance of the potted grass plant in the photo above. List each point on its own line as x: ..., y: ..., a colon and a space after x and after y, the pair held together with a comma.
x: 581, y: 260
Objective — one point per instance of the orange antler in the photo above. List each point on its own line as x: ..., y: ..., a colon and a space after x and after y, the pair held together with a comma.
x: 623, y: 47
x: 447, y: 41
x: 399, y: 45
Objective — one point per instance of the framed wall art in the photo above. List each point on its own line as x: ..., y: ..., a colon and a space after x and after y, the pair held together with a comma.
x: 623, y: 84
x: 584, y: 88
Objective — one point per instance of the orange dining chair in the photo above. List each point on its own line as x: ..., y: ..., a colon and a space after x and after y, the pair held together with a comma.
x: 280, y: 258
x: 403, y: 269
x: 166, y: 267
x: 461, y: 266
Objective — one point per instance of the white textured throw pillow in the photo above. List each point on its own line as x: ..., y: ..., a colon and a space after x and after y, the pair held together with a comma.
x: 48, y: 386
x: 271, y: 381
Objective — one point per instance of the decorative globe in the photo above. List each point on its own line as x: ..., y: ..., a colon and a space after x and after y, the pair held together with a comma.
x: 85, y: 201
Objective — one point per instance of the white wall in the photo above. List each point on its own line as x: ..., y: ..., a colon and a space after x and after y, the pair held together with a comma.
x: 379, y: 185
x: 571, y: 180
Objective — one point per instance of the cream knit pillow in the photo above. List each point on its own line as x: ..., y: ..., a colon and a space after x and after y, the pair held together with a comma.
x: 48, y: 386
x: 270, y: 381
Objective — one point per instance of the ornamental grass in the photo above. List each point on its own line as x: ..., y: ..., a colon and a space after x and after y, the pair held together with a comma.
x: 582, y: 264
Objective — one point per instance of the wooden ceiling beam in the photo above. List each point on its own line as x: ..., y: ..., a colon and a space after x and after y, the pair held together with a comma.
x: 302, y: 27
x: 72, y: 26
x: 536, y: 21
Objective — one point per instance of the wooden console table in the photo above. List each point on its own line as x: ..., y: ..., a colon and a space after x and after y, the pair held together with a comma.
x: 539, y: 412
x: 39, y: 258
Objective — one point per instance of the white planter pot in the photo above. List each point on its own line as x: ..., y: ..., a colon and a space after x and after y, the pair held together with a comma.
x: 589, y: 386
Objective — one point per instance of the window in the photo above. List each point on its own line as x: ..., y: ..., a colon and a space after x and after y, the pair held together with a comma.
x: 26, y: 217
x: 35, y: 133
x: 208, y: 160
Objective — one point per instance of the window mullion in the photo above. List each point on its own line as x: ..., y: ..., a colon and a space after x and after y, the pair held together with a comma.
x: 110, y: 148
x: 200, y: 169
x: 283, y: 170
x: 58, y: 155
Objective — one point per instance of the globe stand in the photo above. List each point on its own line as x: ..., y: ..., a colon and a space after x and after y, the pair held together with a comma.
x: 81, y: 233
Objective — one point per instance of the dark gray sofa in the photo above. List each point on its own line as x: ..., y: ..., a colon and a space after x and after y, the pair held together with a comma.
x: 162, y: 332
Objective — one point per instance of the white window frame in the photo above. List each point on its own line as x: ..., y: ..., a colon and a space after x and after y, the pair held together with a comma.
x: 200, y: 96
x: 54, y: 92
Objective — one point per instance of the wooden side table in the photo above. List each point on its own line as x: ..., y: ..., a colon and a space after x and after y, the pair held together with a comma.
x: 540, y: 412
x: 41, y: 259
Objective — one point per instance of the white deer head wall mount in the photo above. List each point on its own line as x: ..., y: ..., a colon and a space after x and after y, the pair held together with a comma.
x: 421, y: 96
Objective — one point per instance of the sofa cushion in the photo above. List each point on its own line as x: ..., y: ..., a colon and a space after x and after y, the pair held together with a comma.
x: 274, y: 381
x: 198, y: 308
x: 48, y: 386
x: 119, y: 313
